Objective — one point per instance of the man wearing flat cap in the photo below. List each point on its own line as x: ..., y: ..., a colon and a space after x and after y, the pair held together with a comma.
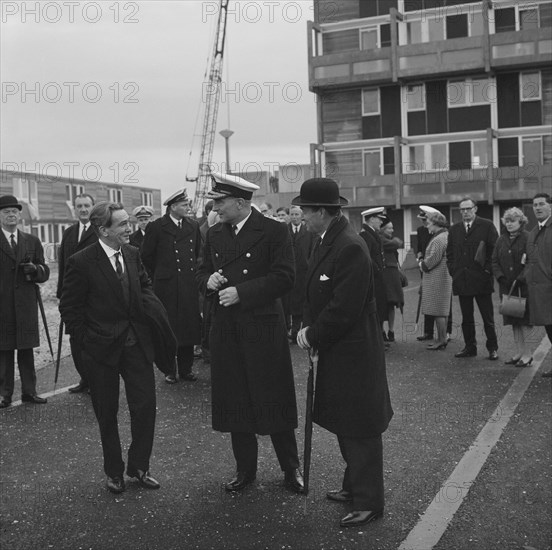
x: 170, y: 252
x: 247, y: 268
x: 341, y: 325
x: 143, y: 216
x: 75, y: 238
x: 372, y: 220
x: 22, y: 265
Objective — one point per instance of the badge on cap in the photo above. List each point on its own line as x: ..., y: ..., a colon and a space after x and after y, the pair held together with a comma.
x: 378, y: 211
x: 143, y: 211
x: 181, y: 195
x: 226, y: 185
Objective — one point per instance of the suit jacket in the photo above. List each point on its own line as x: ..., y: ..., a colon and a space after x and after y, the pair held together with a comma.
x: 469, y: 257
x: 302, y: 247
x: 69, y: 245
x: 93, y: 306
x: 171, y: 257
x: 538, y: 274
x: 352, y: 395
x: 18, y: 296
x: 250, y: 357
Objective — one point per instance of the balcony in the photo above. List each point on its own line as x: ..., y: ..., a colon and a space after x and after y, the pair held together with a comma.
x: 475, y: 54
x: 444, y: 187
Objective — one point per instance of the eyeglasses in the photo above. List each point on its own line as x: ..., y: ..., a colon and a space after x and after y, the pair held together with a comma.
x: 466, y: 209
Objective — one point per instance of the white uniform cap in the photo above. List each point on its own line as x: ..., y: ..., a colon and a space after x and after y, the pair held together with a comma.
x: 226, y: 185
x: 142, y: 210
x: 181, y: 195
x: 378, y: 211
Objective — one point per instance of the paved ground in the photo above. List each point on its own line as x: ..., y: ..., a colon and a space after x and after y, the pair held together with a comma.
x: 52, y: 485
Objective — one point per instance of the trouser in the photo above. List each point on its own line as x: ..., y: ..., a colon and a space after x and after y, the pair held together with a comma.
x: 76, y: 353
x: 485, y: 305
x: 363, y: 476
x: 245, y: 448
x: 185, y: 359
x: 138, y: 377
x: 296, y: 321
x: 25, y: 363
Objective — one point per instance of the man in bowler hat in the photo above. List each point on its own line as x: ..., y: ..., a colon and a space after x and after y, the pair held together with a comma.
x: 247, y: 267
x: 341, y: 325
x: 21, y: 266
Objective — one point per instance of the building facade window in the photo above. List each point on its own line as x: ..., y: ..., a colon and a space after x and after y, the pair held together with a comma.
x: 114, y: 194
x: 530, y: 86
x: 371, y: 162
x: 378, y: 36
x: 370, y: 102
x: 146, y: 198
x: 415, y: 97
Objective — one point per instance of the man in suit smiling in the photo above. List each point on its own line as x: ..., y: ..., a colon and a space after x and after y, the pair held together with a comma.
x: 102, y: 307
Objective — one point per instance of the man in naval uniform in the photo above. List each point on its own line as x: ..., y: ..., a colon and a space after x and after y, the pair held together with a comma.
x: 247, y: 268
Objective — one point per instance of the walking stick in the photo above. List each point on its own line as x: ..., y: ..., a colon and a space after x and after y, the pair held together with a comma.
x: 313, y: 363
x: 43, y: 313
x: 58, y: 359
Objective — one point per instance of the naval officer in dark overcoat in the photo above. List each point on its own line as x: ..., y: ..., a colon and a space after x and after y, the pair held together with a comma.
x: 170, y: 252
x: 247, y: 267
x: 341, y: 325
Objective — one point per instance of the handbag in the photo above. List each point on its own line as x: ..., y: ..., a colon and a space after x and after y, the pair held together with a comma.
x: 404, y: 278
x: 513, y: 306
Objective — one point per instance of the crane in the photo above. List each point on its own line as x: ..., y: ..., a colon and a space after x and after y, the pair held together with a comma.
x: 212, y: 100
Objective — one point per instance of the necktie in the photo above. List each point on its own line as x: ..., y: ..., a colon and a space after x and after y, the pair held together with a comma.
x: 467, y: 227
x: 118, y: 266
x: 179, y: 224
x: 235, y: 230
x: 82, y: 229
x: 13, y: 244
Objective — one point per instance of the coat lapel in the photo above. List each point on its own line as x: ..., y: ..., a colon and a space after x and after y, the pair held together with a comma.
x: 6, y: 246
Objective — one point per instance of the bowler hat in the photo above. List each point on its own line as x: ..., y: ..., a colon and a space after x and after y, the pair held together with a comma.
x: 9, y: 201
x: 319, y: 192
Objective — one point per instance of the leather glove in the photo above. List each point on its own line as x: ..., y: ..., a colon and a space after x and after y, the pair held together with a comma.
x: 302, y: 341
x: 28, y: 268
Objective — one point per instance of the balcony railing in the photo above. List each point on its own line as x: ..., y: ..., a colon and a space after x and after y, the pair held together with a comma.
x: 484, y: 184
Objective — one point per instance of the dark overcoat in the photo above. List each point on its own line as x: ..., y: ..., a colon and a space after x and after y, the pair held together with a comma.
x: 352, y: 395
x: 469, y: 257
x: 302, y: 246
x: 538, y: 274
x: 137, y: 239
x: 171, y: 256
x: 69, y: 245
x: 375, y: 249
x: 507, y: 266
x: 93, y: 307
x: 19, y: 318
x: 251, y: 372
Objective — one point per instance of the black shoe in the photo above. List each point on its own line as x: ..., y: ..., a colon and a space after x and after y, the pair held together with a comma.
x: 241, y: 481
x: 438, y: 347
x: 362, y: 517
x: 170, y: 379
x: 190, y: 377
x: 339, y: 496
x: 294, y: 480
x: 33, y: 399
x: 521, y: 364
x: 493, y: 355
x: 115, y: 484
x: 5, y: 403
x: 385, y: 339
x: 466, y: 352
x: 424, y: 337
x: 144, y: 478
x: 79, y: 388
x: 512, y: 361
x: 390, y: 336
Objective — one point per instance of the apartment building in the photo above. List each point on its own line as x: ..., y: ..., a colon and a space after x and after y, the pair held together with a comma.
x: 427, y: 101
x: 48, y: 201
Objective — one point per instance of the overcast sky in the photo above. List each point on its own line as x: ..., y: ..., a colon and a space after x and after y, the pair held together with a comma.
x: 118, y: 86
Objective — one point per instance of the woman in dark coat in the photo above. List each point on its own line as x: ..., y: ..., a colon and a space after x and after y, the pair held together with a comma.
x: 508, y: 256
x: 342, y: 325
x: 391, y: 275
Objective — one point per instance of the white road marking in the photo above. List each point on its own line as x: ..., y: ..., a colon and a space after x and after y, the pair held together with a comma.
x: 435, y: 520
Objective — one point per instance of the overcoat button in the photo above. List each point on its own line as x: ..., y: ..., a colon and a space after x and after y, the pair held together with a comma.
x: 245, y: 272
x: 248, y: 255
